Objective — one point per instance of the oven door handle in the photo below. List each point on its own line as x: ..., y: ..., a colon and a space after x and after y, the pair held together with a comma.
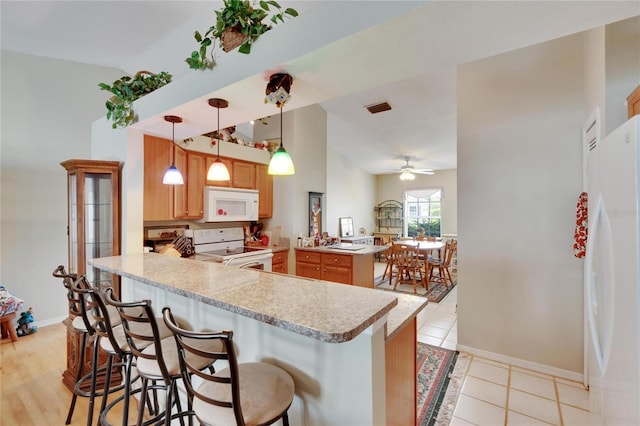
x: 249, y: 264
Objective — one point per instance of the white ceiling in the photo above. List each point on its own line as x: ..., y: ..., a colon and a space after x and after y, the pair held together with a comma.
x: 417, y: 55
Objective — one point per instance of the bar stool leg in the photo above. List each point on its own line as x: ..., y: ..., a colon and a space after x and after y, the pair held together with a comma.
x: 83, y: 343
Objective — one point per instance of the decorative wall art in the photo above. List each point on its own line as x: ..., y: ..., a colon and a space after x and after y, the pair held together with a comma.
x: 315, y: 214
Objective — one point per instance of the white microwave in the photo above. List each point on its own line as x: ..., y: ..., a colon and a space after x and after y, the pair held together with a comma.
x: 230, y: 204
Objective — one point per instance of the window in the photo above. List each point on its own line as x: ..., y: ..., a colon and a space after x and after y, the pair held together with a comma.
x: 423, y: 212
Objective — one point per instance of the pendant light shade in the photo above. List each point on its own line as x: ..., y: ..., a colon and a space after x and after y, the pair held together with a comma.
x: 173, y: 176
x: 218, y: 171
x: 281, y: 163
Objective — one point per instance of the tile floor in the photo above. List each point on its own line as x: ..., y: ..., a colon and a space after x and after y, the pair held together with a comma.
x: 494, y: 393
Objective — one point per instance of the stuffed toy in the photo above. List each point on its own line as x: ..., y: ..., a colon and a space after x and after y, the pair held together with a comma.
x: 25, y: 326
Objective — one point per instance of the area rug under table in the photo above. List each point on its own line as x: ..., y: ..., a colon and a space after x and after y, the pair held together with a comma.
x: 436, y: 292
x: 435, y: 367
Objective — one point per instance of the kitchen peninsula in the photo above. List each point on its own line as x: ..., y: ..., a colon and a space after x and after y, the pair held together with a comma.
x: 330, y: 337
x: 342, y: 263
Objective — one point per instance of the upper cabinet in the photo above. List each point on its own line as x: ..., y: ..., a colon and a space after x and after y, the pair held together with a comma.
x: 180, y: 191
x: 244, y: 174
x: 171, y: 202
x: 158, y: 198
x: 196, y: 175
x: 633, y: 102
x: 264, y: 185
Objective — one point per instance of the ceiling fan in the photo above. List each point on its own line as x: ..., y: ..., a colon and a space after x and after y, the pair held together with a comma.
x: 408, y: 172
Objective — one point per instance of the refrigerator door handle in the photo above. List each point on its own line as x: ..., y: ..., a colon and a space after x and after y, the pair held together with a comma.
x: 602, y: 339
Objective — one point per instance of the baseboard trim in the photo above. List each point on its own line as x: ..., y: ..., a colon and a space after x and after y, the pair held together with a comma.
x: 522, y: 363
x: 50, y: 321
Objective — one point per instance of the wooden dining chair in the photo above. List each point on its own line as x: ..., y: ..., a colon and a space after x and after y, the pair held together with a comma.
x: 407, y: 262
x: 442, y: 265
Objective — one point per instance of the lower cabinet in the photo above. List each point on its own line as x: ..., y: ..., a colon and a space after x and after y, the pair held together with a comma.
x: 280, y: 262
x: 336, y: 267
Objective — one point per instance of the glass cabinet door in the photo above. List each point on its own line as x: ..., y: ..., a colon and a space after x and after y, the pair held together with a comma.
x: 93, y: 192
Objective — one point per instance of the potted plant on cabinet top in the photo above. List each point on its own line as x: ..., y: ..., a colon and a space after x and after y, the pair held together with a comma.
x: 128, y: 89
x: 238, y: 23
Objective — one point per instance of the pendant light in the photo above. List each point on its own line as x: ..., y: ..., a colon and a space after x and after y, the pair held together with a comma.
x: 218, y: 171
x: 281, y: 163
x: 173, y: 176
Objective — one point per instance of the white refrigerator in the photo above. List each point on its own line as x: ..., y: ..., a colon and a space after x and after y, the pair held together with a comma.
x: 612, y: 277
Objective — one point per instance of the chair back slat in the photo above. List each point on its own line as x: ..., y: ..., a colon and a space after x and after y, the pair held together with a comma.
x: 141, y: 330
x: 187, y: 342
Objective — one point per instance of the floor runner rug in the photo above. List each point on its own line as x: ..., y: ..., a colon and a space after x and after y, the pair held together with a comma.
x: 435, y: 365
x: 435, y: 294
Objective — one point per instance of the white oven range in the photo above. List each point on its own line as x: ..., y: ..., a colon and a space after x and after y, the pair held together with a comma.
x: 226, y: 245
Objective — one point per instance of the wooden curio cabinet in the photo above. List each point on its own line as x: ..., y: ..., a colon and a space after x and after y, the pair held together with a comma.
x: 93, y: 226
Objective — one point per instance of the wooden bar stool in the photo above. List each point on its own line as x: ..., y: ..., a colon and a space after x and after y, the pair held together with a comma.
x: 6, y: 323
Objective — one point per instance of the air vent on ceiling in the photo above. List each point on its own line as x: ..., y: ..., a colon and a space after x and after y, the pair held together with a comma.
x: 374, y: 109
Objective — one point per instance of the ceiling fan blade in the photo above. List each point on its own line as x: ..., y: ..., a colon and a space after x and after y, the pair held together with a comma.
x: 424, y: 171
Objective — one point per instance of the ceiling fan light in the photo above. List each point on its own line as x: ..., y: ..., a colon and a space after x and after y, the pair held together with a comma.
x: 218, y: 171
x: 281, y: 163
x: 173, y: 176
x: 407, y: 175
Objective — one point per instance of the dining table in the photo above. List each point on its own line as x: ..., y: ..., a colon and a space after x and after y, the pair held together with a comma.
x: 426, y: 248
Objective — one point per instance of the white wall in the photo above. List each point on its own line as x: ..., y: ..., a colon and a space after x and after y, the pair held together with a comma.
x: 351, y: 192
x: 520, y: 117
x: 390, y: 187
x: 47, y: 110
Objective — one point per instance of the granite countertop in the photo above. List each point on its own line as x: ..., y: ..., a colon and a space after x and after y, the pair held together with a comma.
x: 277, y: 249
x: 345, y: 248
x: 407, y: 308
x: 329, y: 312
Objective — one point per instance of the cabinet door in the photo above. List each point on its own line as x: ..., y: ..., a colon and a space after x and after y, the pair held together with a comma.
x: 227, y: 162
x: 158, y: 198
x: 180, y: 191
x: 308, y: 270
x: 336, y: 274
x: 280, y: 262
x: 244, y: 175
x: 264, y: 185
x: 195, y: 184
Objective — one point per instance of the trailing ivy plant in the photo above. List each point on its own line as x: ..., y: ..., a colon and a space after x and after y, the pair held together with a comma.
x: 243, y: 19
x: 126, y: 90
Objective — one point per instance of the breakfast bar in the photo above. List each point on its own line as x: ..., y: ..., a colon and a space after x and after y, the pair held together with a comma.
x: 329, y: 337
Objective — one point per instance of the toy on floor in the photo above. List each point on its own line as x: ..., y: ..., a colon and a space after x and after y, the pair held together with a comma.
x: 25, y: 326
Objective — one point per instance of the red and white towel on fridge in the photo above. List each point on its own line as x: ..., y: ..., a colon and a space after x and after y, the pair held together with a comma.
x: 580, y: 234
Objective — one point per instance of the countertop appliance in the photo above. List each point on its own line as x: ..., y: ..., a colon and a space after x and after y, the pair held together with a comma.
x: 612, y: 289
x: 230, y: 204
x: 226, y: 245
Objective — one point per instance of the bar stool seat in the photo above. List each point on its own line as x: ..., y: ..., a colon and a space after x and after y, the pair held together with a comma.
x: 265, y: 392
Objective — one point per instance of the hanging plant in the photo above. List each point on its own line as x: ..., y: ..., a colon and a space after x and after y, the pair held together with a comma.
x: 238, y: 23
x: 128, y: 89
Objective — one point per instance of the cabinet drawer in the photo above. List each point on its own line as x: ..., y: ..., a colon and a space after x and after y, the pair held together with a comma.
x: 336, y: 259
x: 308, y: 257
x: 279, y: 257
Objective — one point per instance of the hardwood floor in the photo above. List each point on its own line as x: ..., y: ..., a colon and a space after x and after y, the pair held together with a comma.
x: 31, y: 389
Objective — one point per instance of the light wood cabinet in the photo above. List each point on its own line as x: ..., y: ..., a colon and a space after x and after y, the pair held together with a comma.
x: 244, y: 175
x: 180, y: 191
x: 170, y: 202
x: 195, y: 180
x: 336, y: 267
x: 633, y: 102
x: 280, y: 262
x: 93, y: 228
x: 227, y: 162
x: 264, y: 185
x: 158, y: 197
